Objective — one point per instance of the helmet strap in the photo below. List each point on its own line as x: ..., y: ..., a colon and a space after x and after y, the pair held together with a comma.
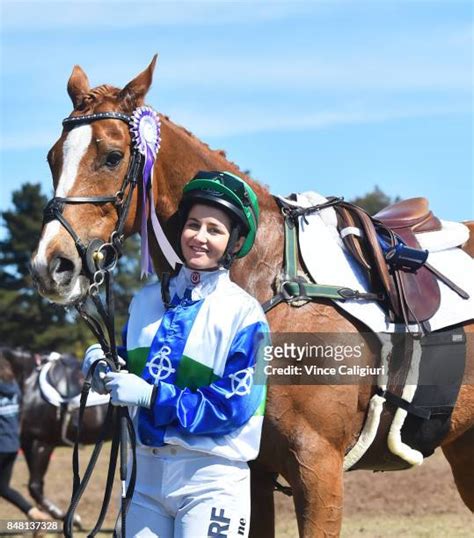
x: 229, y: 254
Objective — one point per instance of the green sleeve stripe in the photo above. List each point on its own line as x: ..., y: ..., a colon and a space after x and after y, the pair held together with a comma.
x: 137, y: 359
x: 193, y: 374
x: 260, y: 412
x: 190, y: 373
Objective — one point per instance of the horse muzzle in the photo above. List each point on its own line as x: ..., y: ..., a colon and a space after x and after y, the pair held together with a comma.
x: 59, y: 278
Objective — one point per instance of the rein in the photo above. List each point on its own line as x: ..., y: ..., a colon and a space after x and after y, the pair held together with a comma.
x: 99, y: 258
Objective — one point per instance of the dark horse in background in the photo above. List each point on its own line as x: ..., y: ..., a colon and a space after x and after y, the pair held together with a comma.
x: 307, y: 429
x: 44, y: 426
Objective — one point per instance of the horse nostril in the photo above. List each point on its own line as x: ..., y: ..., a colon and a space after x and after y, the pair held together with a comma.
x: 64, y: 265
x: 62, y: 270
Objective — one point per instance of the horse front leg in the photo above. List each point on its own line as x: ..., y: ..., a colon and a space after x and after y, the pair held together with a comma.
x: 37, y: 455
x: 262, y: 521
x: 316, y: 476
x: 460, y: 454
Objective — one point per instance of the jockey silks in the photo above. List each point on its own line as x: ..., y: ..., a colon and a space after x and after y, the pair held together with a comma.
x: 201, y: 354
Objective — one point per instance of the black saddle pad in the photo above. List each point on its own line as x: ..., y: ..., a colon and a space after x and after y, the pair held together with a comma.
x: 66, y: 377
x: 442, y: 368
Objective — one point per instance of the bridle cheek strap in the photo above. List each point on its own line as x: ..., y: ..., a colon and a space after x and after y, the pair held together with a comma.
x: 121, y: 200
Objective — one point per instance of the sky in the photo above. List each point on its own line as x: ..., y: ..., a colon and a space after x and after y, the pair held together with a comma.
x: 331, y: 96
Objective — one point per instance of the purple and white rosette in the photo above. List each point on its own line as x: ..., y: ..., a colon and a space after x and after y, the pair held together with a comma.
x: 145, y: 129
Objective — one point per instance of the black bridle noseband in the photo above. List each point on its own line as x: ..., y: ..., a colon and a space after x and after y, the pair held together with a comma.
x: 99, y: 258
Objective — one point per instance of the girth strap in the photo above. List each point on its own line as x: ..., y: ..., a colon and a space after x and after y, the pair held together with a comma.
x: 403, y: 404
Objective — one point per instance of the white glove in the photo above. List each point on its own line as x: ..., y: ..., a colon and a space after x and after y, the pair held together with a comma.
x: 128, y: 389
x: 94, y: 354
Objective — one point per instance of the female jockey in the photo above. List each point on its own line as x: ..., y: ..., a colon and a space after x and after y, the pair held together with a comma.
x: 192, y: 348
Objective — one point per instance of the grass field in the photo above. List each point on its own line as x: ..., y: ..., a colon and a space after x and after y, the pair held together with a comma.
x: 421, y: 503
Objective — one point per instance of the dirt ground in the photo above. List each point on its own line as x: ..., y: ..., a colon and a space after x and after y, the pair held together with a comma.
x: 419, y: 503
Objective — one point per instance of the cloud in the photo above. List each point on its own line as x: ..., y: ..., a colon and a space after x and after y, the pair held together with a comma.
x: 421, y: 69
x: 249, y: 120
x: 89, y: 14
x: 369, y: 71
x: 432, y: 60
x: 245, y: 119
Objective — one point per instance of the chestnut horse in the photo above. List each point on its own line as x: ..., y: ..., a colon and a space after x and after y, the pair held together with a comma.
x: 307, y: 429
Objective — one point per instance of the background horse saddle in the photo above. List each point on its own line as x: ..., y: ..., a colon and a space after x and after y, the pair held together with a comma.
x: 66, y: 377
x: 412, y: 296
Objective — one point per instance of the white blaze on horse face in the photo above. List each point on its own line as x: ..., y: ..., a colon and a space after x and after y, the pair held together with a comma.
x: 74, y: 149
x: 40, y: 262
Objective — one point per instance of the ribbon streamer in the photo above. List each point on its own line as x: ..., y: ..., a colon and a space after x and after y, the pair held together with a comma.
x: 145, y: 128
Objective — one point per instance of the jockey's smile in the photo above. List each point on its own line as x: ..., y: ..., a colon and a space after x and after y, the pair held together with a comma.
x: 205, y: 237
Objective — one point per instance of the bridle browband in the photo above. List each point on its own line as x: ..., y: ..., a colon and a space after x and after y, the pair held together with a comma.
x: 99, y: 258
x: 89, y: 118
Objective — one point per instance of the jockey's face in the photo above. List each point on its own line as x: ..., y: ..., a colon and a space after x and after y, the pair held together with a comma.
x: 205, y: 236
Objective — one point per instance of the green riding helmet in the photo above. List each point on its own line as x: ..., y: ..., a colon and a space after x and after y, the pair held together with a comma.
x: 232, y: 194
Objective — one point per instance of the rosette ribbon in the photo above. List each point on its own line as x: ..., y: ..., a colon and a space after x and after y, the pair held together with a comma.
x: 145, y: 129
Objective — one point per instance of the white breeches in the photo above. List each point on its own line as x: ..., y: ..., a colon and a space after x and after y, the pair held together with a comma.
x: 182, y: 493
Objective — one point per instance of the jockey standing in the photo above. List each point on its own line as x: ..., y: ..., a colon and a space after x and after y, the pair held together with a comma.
x: 192, y: 343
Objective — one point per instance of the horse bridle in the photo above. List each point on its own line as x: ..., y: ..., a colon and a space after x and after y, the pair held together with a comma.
x: 99, y: 258
x: 98, y: 255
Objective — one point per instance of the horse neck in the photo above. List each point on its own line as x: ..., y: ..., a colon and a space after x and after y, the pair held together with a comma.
x: 181, y: 156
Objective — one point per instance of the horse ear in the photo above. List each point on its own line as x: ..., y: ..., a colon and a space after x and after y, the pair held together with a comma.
x: 137, y: 88
x: 78, y: 85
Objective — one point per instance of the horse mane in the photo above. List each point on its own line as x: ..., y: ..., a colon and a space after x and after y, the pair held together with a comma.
x: 97, y: 96
x: 215, y: 154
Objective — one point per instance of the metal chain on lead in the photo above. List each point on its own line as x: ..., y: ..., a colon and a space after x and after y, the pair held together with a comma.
x: 98, y: 280
x: 100, y: 255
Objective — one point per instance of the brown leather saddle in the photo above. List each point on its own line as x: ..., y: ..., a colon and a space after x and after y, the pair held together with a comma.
x: 411, y: 290
x: 66, y: 377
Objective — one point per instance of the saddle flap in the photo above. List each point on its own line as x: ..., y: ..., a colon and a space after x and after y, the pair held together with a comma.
x: 412, y: 296
x: 421, y: 289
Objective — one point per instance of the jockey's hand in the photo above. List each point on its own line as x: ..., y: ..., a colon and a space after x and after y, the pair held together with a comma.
x: 128, y: 389
x: 95, y: 354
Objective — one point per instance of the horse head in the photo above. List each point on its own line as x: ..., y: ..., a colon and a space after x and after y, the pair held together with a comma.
x: 90, y: 165
x: 22, y: 363
x: 95, y: 165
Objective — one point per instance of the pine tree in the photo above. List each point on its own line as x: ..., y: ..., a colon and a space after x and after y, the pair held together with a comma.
x: 27, y: 320
x: 374, y: 201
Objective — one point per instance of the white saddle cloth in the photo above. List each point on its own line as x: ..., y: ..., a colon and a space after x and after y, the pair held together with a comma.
x: 328, y: 262
x: 52, y: 396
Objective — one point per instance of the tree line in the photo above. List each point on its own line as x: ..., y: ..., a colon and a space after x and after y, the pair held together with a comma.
x: 33, y: 323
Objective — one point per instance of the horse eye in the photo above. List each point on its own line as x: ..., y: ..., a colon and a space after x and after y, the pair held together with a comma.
x: 113, y: 159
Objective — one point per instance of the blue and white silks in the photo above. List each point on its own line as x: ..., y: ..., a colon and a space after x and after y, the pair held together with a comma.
x: 202, y: 355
